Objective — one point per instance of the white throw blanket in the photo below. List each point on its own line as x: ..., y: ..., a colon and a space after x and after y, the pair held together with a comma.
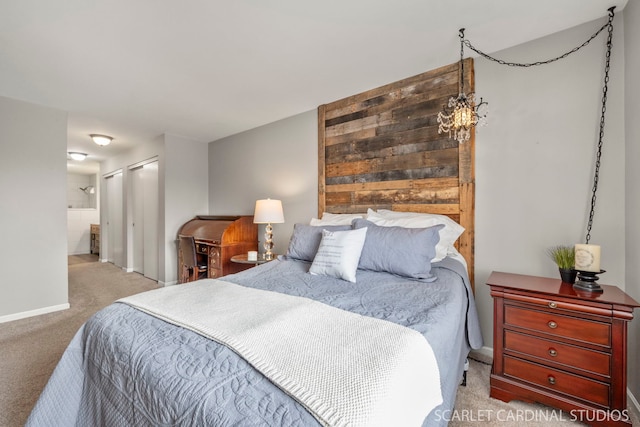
x: 346, y: 369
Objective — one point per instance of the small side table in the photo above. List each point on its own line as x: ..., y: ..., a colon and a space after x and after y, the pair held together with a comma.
x: 242, y: 259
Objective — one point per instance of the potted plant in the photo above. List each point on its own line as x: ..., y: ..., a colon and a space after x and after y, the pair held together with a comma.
x: 564, y: 257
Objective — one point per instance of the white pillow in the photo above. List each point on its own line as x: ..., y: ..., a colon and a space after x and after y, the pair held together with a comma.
x: 339, y: 254
x: 335, y: 219
x: 448, y: 235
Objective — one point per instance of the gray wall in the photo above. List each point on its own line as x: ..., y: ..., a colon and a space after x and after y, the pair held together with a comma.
x: 183, y: 194
x: 534, y: 163
x: 277, y: 161
x: 33, y: 209
x: 632, y: 188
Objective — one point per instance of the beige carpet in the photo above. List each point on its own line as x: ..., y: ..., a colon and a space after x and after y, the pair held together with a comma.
x: 30, y: 349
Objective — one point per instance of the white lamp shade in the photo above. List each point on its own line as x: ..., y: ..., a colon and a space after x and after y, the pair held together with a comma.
x: 268, y: 211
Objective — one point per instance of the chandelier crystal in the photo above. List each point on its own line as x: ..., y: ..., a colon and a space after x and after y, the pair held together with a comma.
x: 462, y: 113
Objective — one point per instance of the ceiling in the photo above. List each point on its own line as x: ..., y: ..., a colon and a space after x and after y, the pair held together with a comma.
x: 206, y: 69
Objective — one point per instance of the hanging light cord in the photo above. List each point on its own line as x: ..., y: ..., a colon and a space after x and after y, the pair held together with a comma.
x: 609, y: 27
x: 596, y: 174
x: 548, y: 61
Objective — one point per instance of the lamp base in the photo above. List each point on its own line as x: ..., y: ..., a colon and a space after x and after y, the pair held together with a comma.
x: 587, y: 281
x: 268, y: 243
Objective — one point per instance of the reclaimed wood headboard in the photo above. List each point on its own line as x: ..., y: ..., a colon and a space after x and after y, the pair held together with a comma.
x: 381, y: 149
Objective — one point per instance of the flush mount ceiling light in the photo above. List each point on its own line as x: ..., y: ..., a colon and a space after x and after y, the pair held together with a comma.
x: 77, y: 156
x: 101, y: 140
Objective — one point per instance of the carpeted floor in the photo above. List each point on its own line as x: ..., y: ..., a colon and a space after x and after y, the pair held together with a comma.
x: 31, y: 348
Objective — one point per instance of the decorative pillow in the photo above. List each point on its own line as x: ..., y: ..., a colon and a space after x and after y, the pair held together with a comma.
x: 448, y: 235
x: 339, y: 253
x: 335, y: 219
x: 305, y: 240
x: 403, y: 251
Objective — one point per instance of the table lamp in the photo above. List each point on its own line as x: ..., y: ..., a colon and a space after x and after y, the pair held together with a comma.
x: 268, y: 212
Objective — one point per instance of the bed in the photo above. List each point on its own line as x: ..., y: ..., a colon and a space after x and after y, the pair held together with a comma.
x: 407, y: 308
x: 127, y: 367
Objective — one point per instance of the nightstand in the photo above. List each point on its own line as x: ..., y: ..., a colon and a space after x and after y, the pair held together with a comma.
x: 561, y: 347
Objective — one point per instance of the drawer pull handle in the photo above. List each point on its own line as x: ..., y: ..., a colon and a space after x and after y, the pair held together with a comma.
x: 553, y: 352
x: 553, y: 304
x: 552, y: 324
x: 551, y: 379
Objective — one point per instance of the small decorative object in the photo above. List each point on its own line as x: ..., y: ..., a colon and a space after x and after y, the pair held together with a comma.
x: 564, y: 257
x: 587, y: 257
x: 252, y: 255
x: 267, y: 212
x: 587, y: 281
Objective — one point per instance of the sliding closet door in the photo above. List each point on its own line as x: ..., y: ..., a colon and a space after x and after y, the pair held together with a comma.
x: 137, y: 205
x: 144, y: 188
x: 115, y: 252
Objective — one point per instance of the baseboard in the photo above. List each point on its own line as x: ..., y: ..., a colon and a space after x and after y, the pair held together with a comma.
x: 173, y: 282
x: 484, y: 354
x: 31, y: 313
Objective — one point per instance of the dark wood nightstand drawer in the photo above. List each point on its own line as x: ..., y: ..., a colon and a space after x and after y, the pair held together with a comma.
x: 556, y: 352
x: 558, y: 381
x: 583, y: 330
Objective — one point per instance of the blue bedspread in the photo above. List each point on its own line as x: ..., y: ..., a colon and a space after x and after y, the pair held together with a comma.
x: 125, y: 367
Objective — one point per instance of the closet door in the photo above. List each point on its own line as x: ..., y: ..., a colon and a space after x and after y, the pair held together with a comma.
x: 137, y: 205
x: 115, y: 253
x: 144, y: 187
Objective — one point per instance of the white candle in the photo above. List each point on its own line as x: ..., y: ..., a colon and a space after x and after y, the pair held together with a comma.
x: 587, y: 257
x: 252, y: 255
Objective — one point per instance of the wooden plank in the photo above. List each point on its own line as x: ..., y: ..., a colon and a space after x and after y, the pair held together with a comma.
x: 321, y: 161
x: 390, y: 185
x: 405, y: 162
x: 449, y: 210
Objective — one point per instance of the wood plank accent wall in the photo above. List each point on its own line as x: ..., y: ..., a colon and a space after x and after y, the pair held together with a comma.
x: 381, y: 149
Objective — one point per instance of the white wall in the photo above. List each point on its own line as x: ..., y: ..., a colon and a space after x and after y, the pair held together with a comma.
x: 79, y: 230
x: 278, y: 161
x: 183, y: 194
x: 632, y: 189
x: 81, y: 213
x: 33, y: 209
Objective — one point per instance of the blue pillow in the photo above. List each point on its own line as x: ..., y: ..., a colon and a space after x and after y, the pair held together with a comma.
x: 397, y: 250
x: 305, y: 240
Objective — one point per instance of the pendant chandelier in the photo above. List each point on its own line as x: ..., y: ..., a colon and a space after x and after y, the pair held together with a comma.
x: 462, y: 112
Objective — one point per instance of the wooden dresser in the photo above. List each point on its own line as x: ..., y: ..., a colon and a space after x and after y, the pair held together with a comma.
x: 217, y: 239
x: 561, y: 347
